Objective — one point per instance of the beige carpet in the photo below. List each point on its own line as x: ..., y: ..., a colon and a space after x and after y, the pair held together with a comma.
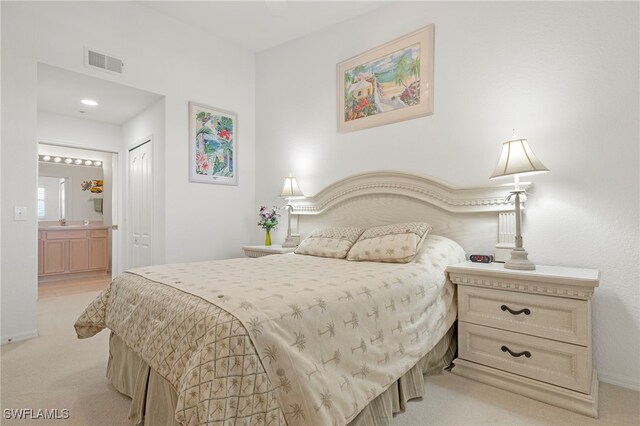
x: 56, y: 370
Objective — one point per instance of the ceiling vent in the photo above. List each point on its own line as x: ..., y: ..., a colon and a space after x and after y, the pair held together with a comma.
x: 95, y: 59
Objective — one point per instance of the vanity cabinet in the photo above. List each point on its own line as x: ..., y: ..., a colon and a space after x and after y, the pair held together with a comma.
x: 62, y: 251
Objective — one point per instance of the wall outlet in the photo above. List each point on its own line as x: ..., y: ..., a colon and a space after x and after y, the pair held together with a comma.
x: 19, y: 213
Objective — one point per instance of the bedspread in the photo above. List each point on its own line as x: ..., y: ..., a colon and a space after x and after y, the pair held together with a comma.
x: 306, y: 339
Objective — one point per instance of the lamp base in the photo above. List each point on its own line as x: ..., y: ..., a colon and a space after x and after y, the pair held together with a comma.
x: 519, y: 260
x: 291, y: 241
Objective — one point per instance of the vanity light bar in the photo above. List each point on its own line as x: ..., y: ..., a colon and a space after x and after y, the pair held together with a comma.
x: 71, y: 161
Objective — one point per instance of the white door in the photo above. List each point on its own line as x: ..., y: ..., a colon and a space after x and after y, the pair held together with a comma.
x: 140, y: 206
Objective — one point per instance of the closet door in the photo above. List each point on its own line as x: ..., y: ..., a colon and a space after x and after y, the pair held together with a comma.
x: 140, y: 206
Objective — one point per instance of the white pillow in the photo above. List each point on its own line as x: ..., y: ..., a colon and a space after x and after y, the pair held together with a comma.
x: 329, y: 242
x: 397, y: 243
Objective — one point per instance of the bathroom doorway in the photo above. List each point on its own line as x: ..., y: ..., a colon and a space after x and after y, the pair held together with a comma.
x: 77, y: 208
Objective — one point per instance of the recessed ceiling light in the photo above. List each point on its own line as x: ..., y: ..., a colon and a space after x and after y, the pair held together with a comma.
x: 46, y: 158
x: 78, y: 161
x: 89, y: 102
x: 68, y: 160
x: 98, y: 163
x: 57, y: 159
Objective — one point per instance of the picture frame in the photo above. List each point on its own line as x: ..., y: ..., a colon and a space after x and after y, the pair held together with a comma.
x: 387, y: 84
x: 213, y: 145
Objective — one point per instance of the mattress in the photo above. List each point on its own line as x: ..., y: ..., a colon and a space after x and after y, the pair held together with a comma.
x: 288, y: 339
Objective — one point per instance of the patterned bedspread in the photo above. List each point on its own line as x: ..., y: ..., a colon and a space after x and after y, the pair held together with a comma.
x: 277, y: 340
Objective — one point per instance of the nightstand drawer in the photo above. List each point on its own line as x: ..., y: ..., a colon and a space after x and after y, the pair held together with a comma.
x: 549, y: 361
x: 557, y: 318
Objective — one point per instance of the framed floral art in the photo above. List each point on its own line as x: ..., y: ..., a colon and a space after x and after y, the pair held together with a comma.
x: 213, y: 145
x: 390, y: 83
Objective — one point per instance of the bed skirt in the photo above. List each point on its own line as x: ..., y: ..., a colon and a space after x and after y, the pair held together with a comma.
x: 153, y: 398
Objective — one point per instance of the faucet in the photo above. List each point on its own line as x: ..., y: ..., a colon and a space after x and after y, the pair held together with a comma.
x: 63, y: 222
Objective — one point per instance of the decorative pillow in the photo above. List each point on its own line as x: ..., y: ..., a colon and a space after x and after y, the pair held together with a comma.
x: 397, y: 243
x: 329, y: 242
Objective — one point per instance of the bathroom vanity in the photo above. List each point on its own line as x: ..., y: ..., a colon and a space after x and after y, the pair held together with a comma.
x: 72, y: 250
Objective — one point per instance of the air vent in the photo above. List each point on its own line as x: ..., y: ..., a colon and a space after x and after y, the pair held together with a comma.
x: 95, y: 59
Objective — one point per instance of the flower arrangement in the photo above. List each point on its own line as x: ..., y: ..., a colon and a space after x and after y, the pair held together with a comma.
x: 268, y: 218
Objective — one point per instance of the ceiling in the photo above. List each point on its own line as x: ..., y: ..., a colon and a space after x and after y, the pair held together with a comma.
x: 261, y: 25
x: 60, y: 91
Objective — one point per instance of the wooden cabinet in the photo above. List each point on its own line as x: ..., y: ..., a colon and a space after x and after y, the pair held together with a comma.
x: 98, y: 249
x: 528, y: 332
x: 68, y: 251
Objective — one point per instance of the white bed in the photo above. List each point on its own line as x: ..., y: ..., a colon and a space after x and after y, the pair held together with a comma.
x: 291, y: 339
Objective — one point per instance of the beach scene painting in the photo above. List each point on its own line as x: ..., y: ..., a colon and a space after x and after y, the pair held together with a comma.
x: 384, y: 84
x: 213, y: 145
x: 390, y: 83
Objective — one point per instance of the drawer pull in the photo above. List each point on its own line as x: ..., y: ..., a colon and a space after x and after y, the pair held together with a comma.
x: 525, y: 311
x: 527, y: 354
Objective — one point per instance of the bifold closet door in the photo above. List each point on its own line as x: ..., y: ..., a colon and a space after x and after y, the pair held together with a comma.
x: 140, y: 205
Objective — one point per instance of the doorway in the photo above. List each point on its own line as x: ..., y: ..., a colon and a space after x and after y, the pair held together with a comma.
x: 77, y: 219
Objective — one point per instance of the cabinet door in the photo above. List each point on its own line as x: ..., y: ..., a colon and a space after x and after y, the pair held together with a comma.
x: 98, y: 258
x: 40, y: 256
x: 78, y: 255
x: 54, y: 256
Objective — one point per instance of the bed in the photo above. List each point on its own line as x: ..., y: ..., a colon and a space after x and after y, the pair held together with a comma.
x: 296, y: 339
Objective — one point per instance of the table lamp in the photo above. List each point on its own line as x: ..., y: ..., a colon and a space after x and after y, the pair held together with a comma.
x: 517, y: 160
x: 290, y: 191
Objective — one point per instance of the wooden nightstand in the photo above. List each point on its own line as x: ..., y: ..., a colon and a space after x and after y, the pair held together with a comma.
x: 259, y: 251
x: 528, y: 332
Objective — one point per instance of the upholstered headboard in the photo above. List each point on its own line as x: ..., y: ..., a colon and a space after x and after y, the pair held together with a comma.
x: 479, y: 219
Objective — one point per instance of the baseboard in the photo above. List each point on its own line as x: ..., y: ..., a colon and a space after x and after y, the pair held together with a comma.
x: 622, y: 381
x: 19, y: 336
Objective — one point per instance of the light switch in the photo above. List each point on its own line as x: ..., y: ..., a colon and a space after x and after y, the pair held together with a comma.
x: 19, y: 213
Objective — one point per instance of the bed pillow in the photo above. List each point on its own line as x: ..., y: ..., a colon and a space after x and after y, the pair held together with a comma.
x: 397, y: 243
x: 330, y: 242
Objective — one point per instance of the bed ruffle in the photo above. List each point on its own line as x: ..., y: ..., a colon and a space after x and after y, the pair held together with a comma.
x: 153, y: 398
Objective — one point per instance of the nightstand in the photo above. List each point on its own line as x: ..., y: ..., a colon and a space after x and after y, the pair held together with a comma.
x: 528, y: 332
x: 259, y: 251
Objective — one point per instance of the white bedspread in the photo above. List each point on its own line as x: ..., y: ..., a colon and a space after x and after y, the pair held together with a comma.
x: 331, y: 334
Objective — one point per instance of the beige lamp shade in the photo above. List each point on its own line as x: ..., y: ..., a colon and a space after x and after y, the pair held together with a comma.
x: 290, y: 189
x: 517, y: 159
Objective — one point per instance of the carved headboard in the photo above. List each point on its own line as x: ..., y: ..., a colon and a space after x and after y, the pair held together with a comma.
x: 479, y: 219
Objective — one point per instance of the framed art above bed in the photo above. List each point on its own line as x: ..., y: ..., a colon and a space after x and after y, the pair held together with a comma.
x: 390, y: 83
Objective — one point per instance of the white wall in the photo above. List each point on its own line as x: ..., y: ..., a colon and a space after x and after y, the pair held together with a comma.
x: 564, y: 75
x: 162, y: 56
x: 149, y: 125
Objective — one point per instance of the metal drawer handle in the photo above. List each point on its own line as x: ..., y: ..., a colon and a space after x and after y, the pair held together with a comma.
x: 527, y: 354
x: 525, y: 311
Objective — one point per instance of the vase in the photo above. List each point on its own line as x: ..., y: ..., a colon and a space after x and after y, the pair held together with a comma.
x: 267, y: 238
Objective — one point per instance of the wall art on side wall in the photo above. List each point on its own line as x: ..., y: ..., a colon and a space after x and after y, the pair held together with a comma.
x: 390, y: 83
x: 213, y: 145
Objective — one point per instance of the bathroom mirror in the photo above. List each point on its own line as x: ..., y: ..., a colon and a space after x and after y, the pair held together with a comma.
x: 69, y: 192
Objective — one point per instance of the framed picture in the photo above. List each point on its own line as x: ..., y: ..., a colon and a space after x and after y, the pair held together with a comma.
x: 390, y: 83
x: 213, y: 145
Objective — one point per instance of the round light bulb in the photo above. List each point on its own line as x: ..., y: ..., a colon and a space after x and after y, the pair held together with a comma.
x: 46, y: 158
x: 68, y: 160
x: 78, y: 161
x: 89, y: 102
x: 57, y: 159
x: 88, y: 162
x: 98, y: 163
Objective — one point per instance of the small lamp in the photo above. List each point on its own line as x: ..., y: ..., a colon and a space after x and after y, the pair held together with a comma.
x: 517, y: 160
x: 290, y: 191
